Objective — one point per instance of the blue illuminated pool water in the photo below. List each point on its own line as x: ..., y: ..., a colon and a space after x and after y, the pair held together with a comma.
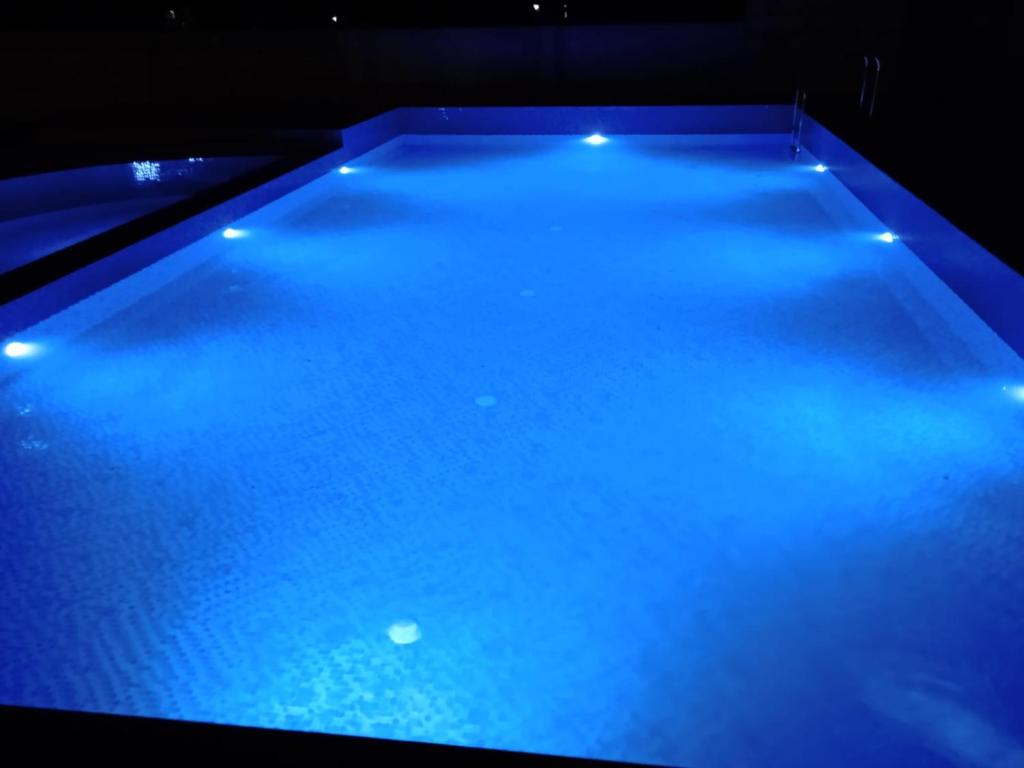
x: 650, y: 450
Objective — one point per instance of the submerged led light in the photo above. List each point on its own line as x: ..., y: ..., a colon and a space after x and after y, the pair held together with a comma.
x: 404, y: 632
x: 536, y: 6
x: 19, y: 349
x: 821, y: 168
x: 231, y: 233
x: 1017, y: 392
x: 887, y: 237
x: 344, y: 170
x: 596, y: 140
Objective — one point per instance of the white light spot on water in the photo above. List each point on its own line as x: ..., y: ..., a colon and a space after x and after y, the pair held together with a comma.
x: 25, y: 410
x: 536, y: 6
x: 596, y: 140
x: 527, y: 293
x: 821, y: 167
x: 345, y: 170
x: 404, y: 632
x: 1016, y: 392
x: 486, y: 401
x: 34, y: 445
x: 888, y: 237
x: 19, y: 349
x: 231, y: 233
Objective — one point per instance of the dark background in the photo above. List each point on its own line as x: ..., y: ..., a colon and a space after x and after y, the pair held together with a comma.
x: 82, y: 85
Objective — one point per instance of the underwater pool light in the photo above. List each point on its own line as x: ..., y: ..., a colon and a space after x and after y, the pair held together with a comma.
x: 821, y: 167
x: 231, y: 233
x: 596, y: 140
x: 888, y: 237
x: 1016, y: 392
x: 404, y: 632
x: 344, y: 170
x: 19, y: 349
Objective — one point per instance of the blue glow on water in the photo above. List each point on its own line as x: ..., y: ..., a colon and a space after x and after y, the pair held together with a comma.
x: 596, y: 140
x: 651, y: 452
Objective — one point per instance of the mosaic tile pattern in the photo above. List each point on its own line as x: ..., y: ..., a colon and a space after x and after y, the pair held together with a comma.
x: 668, y: 458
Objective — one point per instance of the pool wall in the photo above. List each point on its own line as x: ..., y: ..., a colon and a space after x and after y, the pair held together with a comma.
x: 987, y: 285
x: 772, y: 118
x: 71, y: 288
x: 990, y: 287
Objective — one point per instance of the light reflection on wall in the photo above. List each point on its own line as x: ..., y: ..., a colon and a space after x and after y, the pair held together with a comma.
x: 146, y: 171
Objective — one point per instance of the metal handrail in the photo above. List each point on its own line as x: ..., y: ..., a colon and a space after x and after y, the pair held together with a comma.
x: 874, y: 91
x: 799, y: 107
x: 863, y: 84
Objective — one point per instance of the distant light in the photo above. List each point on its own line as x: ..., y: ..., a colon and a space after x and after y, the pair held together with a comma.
x: 888, y: 237
x: 596, y: 140
x: 146, y: 171
x: 334, y: 19
x: 1017, y: 392
x: 345, y: 170
x: 19, y: 349
x: 231, y: 233
x: 404, y: 632
x: 820, y: 168
x: 536, y: 6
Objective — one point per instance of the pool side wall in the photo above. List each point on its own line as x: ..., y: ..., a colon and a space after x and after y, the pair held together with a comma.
x: 72, y: 288
x: 987, y: 285
x: 770, y: 118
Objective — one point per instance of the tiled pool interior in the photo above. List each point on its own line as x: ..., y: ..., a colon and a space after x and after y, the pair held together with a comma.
x: 649, y: 450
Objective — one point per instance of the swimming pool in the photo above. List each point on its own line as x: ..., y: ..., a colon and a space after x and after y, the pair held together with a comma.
x: 654, y: 449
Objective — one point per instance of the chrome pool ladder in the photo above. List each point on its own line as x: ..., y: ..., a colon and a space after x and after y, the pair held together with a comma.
x: 874, y: 85
x: 799, y: 107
